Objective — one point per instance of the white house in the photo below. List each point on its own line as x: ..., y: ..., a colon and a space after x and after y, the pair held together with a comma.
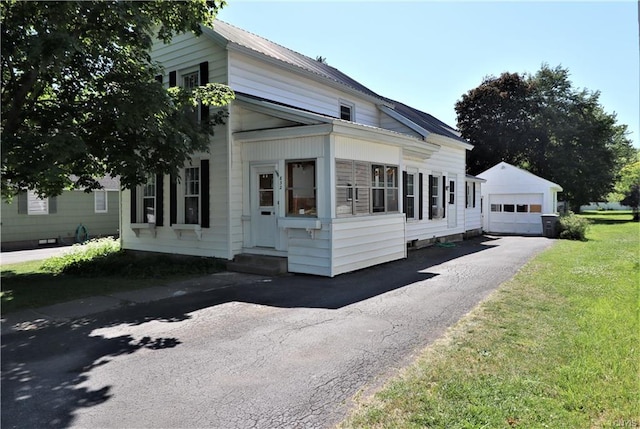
x: 311, y: 166
x: 473, y: 206
x: 516, y: 199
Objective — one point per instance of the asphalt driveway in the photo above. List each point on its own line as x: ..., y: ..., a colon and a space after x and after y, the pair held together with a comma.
x: 283, y: 352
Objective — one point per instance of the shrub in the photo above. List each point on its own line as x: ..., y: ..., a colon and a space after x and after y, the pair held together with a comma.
x: 573, y: 227
x: 82, y: 255
x: 103, y: 257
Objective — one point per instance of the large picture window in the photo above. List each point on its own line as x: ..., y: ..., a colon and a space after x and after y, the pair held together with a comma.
x: 301, y: 188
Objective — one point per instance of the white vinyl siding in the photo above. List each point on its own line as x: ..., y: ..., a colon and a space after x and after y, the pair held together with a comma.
x: 250, y: 76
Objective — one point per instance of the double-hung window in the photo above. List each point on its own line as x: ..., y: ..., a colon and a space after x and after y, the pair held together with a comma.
x: 37, y: 205
x: 100, y: 202
x: 149, y: 199
x: 439, y: 195
x: 191, y: 195
x: 347, y: 111
x: 412, y: 194
x: 191, y: 81
x: 384, y: 188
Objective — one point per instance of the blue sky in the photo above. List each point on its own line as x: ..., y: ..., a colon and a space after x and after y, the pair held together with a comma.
x: 428, y: 53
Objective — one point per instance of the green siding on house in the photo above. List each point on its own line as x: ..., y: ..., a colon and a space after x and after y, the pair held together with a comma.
x: 73, y: 208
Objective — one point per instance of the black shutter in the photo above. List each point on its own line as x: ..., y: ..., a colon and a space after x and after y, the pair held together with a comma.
x: 53, y: 205
x: 173, y: 78
x: 159, y: 199
x: 173, y: 200
x: 420, y: 197
x: 134, y: 198
x: 466, y: 195
x: 204, y: 79
x: 474, y: 194
x: 204, y: 193
x: 404, y: 192
x: 444, y: 196
x: 431, y: 179
x: 23, y: 203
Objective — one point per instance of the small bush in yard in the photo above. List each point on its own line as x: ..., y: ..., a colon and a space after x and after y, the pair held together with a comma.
x: 104, y: 258
x: 81, y: 256
x: 573, y: 227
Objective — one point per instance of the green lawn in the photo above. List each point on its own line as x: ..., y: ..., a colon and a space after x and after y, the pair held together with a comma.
x: 30, y: 285
x: 558, y: 346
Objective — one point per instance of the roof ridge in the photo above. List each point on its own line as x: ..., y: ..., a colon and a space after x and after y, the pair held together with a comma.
x: 345, y: 79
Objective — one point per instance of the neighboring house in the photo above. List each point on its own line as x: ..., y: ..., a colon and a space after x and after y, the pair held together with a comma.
x: 311, y: 166
x: 29, y: 221
x: 516, y: 199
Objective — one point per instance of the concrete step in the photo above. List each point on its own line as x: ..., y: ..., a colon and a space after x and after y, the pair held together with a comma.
x: 258, y: 264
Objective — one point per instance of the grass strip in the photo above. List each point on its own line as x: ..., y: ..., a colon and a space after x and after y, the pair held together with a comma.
x: 97, y: 268
x: 557, y: 347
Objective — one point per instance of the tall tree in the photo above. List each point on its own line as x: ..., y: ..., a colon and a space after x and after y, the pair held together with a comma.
x: 542, y: 123
x: 80, y: 97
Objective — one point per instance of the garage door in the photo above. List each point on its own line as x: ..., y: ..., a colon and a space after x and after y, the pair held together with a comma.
x: 515, y: 213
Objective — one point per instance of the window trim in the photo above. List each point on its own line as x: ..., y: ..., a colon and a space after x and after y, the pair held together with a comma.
x: 349, y: 105
x: 186, y: 195
x: 32, y: 197
x: 290, y: 187
x: 104, y: 192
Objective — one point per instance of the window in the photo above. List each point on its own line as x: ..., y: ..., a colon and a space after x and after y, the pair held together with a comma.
x: 437, y: 196
x: 412, y: 194
x: 535, y: 208
x: 191, y: 195
x: 149, y: 200
x: 352, y: 188
x: 346, y: 111
x: 100, y: 201
x: 37, y: 205
x: 301, y: 188
x: 452, y: 192
x: 190, y: 81
x: 522, y: 208
x: 496, y: 207
x: 410, y: 201
x: 384, y: 188
x: 509, y: 208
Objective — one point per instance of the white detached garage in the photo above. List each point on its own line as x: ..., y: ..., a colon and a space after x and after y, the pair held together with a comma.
x: 515, y: 200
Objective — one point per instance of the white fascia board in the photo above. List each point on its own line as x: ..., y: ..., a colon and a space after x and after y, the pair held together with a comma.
x: 411, y: 146
x: 447, y: 141
x: 404, y: 120
x: 283, y: 133
x: 283, y: 112
x: 302, y: 71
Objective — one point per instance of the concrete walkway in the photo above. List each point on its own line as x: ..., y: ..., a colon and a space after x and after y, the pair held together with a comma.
x: 16, y: 256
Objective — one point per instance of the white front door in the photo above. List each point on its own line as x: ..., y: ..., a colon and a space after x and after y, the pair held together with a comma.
x: 264, y: 203
x: 452, y: 193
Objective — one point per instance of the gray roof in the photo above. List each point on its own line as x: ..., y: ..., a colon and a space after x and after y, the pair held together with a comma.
x: 259, y: 44
x: 270, y: 49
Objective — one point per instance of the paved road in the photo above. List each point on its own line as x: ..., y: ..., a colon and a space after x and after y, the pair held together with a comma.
x: 286, y: 352
x: 16, y: 256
